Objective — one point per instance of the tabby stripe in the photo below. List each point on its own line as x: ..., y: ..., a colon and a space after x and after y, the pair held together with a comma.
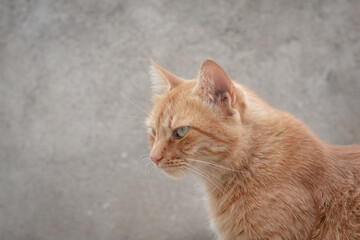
x: 210, y: 135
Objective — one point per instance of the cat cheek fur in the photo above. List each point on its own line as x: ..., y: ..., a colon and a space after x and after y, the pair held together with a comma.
x: 151, y: 140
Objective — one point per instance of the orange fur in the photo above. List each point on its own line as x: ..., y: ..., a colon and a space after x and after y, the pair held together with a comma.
x: 267, y: 175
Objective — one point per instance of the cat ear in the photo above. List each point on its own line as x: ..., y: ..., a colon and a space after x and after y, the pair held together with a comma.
x: 214, y: 84
x: 163, y: 80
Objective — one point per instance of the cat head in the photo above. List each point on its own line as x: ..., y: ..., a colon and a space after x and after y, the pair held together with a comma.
x: 195, y: 124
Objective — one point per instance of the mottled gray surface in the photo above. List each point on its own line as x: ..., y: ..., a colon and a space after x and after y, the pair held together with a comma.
x: 71, y: 142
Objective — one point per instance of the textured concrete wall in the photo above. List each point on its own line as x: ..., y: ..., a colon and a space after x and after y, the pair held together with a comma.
x: 71, y: 143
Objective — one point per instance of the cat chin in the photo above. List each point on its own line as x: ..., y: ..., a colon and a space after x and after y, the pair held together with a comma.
x: 174, y: 173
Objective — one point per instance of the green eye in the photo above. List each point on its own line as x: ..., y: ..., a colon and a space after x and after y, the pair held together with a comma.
x: 181, y: 132
x: 153, y: 132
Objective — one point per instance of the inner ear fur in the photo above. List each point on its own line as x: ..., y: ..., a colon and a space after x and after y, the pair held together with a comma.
x: 215, y: 86
x: 163, y: 80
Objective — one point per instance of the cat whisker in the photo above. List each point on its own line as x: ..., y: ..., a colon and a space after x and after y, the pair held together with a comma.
x: 143, y: 132
x: 149, y: 164
x: 188, y: 167
x: 142, y: 160
x: 131, y: 101
x: 187, y: 179
x: 199, y: 172
x: 142, y: 93
x: 149, y: 175
x: 125, y: 116
x: 144, y: 155
x: 213, y: 165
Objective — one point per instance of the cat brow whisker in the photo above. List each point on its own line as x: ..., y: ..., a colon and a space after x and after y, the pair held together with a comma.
x: 125, y: 116
x: 131, y: 101
x: 139, y: 90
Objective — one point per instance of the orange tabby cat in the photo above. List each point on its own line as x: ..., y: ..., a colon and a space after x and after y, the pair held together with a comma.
x: 267, y: 175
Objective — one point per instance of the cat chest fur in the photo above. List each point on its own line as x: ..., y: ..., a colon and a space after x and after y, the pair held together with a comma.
x: 255, y: 210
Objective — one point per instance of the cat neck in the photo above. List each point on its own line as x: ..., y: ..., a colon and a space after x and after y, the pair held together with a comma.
x: 268, y: 139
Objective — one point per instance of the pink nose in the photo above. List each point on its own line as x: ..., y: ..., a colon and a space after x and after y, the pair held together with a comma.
x: 156, y: 159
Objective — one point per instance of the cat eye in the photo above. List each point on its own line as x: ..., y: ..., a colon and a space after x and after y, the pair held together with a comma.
x: 181, y: 132
x: 153, y: 132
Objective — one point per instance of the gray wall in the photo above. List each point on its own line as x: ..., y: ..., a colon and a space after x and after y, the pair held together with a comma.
x: 71, y: 142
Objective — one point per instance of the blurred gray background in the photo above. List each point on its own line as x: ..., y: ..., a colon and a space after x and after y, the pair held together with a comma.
x: 71, y: 140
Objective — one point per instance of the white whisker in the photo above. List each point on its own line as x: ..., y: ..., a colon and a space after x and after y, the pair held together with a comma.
x: 214, y: 165
x: 142, y: 160
x: 134, y: 104
x: 216, y: 187
x: 142, y: 94
x: 124, y: 116
x: 198, y: 171
x: 149, y: 176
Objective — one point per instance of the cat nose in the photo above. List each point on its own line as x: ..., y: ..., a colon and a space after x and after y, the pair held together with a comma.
x: 156, y: 158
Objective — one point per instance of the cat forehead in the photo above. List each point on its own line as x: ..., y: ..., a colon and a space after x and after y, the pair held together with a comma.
x: 174, y: 108
x: 171, y: 112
